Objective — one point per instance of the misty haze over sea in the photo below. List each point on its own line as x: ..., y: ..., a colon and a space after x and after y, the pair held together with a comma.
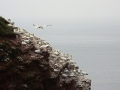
x: 94, y: 45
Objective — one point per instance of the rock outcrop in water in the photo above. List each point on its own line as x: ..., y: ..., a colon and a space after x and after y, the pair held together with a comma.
x: 29, y: 63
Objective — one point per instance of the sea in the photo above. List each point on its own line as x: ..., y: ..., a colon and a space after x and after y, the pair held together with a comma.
x: 94, y: 46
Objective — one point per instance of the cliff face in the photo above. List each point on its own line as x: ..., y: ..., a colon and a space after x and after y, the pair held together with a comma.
x: 28, y: 63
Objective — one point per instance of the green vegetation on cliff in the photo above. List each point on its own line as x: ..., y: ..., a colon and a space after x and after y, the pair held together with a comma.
x: 4, y: 28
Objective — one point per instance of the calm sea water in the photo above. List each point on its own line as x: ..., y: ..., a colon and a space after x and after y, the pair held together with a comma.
x: 102, y: 62
x: 95, y: 48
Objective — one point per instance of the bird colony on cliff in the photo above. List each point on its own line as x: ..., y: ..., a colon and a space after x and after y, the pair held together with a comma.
x: 61, y: 64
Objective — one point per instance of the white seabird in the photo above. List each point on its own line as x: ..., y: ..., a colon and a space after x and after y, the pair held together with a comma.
x: 64, y: 75
x: 41, y: 26
x: 56, y: 70
x: 17, y: 31
x: 10, y: 23
x: 24, y: 43
x: 72, y: 74
x: 27, y: 41
x: 83, y: 73
x: 66, y: 70
x: 9, y: 20
x: 37, y: 50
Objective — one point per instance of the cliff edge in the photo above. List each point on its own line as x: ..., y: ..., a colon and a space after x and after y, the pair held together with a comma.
x: 29, y: 63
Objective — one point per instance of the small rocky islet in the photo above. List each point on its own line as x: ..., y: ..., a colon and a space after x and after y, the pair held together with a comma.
x: 30, y: 63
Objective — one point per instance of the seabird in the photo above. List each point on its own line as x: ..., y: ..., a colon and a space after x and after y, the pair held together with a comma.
x: 64, y: 75
x: 10, y: 23
x: 37, y: 51
x: 72, y: 74
x: 56, y: 70
x: 17, y: 31
x: 41, y: 26
x: 24, y: 43
x: 83, y: 73
x: 61, y: 61
x: 27, y: 41
x: 31, y: 35
x: 9, y: 20
x: 23, y: 31
x: 66, y: 70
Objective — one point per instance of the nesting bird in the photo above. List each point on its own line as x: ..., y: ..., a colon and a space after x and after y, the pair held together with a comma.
x: 24, y: 43
x: 64, y: 75
x: 59, y: 62
x: 27, y: 41
x: 37, y: 51
x: 83, y: 73
x: 10, y: 23
x: 66, y: 70
x: 56, y: 70
x: 72, y: 74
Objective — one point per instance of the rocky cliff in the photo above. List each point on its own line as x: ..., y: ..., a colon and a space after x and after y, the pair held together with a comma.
x: 29, y: 63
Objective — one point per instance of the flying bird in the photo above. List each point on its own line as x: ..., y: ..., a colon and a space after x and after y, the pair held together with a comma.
x: 41, y: 26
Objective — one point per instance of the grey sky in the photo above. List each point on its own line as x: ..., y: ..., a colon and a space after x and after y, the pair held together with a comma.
x: 60, y: 9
